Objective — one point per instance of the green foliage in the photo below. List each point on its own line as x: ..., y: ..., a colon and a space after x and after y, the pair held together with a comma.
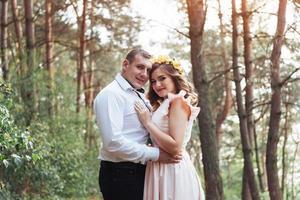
x: 49, y: 159
x: 65, y: 168
x: 16, y: 144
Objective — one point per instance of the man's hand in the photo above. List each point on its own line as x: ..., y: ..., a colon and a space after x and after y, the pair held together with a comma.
x: 164, y: 157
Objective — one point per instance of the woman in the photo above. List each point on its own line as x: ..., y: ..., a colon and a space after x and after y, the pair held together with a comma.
x: 173, y: 100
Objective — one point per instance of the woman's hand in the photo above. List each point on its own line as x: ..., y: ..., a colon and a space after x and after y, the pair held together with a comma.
x: 143, y: 113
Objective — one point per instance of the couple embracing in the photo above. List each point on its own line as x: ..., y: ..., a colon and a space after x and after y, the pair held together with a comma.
x: 133, y: 167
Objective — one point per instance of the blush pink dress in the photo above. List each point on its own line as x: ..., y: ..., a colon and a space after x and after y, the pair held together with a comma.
x: 172, y: 181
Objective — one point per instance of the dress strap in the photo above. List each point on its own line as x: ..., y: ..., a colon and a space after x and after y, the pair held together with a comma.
x: 194, y: 110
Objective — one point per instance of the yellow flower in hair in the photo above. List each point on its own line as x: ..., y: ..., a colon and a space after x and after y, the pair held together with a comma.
x: 163, y: 59
x: 177, y: 66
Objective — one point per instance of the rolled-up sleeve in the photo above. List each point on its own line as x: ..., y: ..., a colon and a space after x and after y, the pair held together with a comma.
x: 109, y: 109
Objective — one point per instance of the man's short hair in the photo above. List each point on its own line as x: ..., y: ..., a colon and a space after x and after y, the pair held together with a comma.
x: 138, y: 51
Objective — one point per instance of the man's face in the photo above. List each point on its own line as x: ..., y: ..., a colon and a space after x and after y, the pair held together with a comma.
x: 137, y: 72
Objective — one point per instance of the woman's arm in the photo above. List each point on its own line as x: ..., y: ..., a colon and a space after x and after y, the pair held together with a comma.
x: 171, y: 142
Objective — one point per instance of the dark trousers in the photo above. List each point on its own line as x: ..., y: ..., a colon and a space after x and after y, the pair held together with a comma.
x: 121, y: 181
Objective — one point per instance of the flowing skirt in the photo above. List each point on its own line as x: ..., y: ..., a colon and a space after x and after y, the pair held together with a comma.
x: 172, y: 181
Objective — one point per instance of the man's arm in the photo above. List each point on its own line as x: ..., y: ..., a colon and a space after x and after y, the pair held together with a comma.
x: 109, y: 110
x: 165, y: 157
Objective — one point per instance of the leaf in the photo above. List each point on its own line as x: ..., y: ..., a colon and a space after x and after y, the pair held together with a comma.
x: 6, y: 163
x: 17, y: 159
x: 35, y: 157
x: 28, y: 158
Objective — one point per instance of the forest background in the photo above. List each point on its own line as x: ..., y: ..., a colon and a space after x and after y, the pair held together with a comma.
x: 242, y: 56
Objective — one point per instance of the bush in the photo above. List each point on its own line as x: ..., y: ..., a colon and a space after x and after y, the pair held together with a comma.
x: 49, y: 159
x: 16, y: 144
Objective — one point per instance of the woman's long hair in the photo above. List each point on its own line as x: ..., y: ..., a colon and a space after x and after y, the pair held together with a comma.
x: 180, y: 84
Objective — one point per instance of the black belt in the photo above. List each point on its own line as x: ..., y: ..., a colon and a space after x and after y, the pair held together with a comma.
x: 128, y: 165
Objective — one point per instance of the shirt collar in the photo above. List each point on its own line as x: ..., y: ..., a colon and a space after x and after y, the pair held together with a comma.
x: 125, y: 85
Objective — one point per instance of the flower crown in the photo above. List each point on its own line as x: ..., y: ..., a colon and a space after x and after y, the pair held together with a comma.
x: 162, y: 59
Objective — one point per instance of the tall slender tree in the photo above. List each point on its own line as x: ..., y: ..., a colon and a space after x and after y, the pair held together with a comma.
x: 275, y: 113
x: 28, y: 86
x: 213, y: 180
x: 248, y: 60
x: 247, y: 152
x: 88, y: 79
x: 49, y: 56
x: 284, y: 157
x: 18, y: 32
x: 82, y: 46
x: 3, y: 39
x: 249, y: 99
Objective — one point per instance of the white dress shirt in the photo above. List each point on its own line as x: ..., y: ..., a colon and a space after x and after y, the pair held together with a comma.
x: 123, y: 136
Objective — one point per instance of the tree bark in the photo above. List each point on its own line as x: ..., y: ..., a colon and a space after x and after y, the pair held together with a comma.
x: 18, y: 28
x: 213, y: 180
x: 247, y: 152
x: 28, y: 87
x: 3, y: 39
x: 49, y: 57
x: 249, y: 99
x: 275, y: 113
x: 284, y: 156
x: 248, y: 60
x: 82, y: 45
x: 260, y: 175
x: 18, y: 32
x: 246, y: 193
x: 88, y: 79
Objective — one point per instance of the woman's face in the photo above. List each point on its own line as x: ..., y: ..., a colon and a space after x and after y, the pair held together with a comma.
x: 162, y: 83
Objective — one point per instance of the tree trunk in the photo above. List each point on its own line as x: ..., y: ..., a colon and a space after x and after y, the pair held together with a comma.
x: 227, y: 83
x: 3, y: 39
x: 247, y: 153
x: 246, y: 193
x: 49, y: 57
x: 82, y: 44
x: 275, y: 113
x: 284, y: 156
x: 28, y: 87
x: 18, y: 28
x: 260, y: 175
x: 294, y: 160
x: 18, y: 32
x: 213, y: 180
x: 249, y: 101
x: 249, y: 83
x: 88, y: 79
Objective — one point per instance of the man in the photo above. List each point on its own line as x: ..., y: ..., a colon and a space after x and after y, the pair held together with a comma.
x: 124, y: 152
